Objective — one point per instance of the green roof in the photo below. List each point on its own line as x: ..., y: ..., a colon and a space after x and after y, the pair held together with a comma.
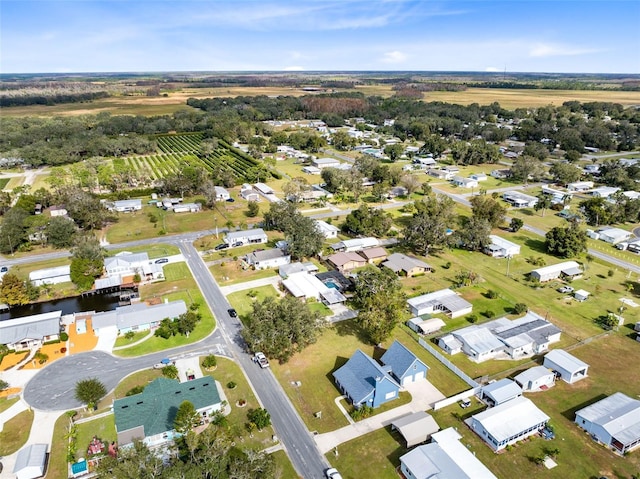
x: 155, y: 408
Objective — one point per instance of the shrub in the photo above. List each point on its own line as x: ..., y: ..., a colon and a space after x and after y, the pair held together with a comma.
x: 447, y: 265
x: 488, y: 314
x: 63, y: 350
x: 520, y: 308
x: 472, y: 318
x: 610, y: 273
x: 209, y: 362
x: 362, y: 412
x: 129, y: 335
x: 64, y: 336
x: 3, y: 385
x: 135, y: 390
x: 231, y: 385
x: 492, y: 294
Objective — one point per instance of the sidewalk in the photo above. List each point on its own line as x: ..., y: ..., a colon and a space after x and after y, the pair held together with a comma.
x: 424, y: 394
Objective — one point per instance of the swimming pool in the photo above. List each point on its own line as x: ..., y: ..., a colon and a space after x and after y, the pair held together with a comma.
x: 331, y: 284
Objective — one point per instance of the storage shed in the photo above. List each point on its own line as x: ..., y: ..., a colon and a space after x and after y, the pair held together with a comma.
x: 30, y: 462
x: 566, y: 366
x: 416, y: 427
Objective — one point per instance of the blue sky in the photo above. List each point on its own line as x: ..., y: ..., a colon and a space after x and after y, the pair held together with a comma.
x: 599, y: 36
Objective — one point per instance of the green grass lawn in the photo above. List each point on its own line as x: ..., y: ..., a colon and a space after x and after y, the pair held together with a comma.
x: 225, y: 372
x: 3, y: 183
x: 104, y: 428
x: 15, y: 433
x: 6, y: 403
x: 284, y: 465
x: 179, y: 284
x: 154, y: 251
x: 231, y: 272
x: 123, y: 341
x: 320, y: 308
x: 57, y: 464
x: 374, y: 455
x: 243, y: 301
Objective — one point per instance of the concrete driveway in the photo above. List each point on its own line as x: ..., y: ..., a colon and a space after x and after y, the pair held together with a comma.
x: 188, y: 365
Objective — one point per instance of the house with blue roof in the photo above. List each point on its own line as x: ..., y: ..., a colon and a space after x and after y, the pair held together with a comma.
x: 406, y: 368
x: 365, y: 382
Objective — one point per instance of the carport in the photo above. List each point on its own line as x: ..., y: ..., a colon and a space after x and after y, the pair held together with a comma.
x: 415, y: 428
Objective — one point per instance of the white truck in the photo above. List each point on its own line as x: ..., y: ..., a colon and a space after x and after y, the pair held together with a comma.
x: 261, y: 360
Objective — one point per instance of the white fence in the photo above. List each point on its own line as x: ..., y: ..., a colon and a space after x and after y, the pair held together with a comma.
x: 454, y: 399
x: 456, y: 370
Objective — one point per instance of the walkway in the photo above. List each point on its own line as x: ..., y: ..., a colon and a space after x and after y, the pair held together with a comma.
x: 256, y: 283
x: 424, y: 395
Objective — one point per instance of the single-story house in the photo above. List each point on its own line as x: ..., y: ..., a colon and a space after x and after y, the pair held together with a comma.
x: 428, y: 161
x: 305, y: 285
x: 168, y: 203
x: 613, y: 421
x: 357, y: 244
x: 397, y: 191
x: 425, y: 326
x: 508, y: 423
x: 327, y: 230
x: 556, y: 196
x: 311, y: 170
x: 31, y: 461
x: 250, y: 194
x: 450, y: 344
x: 445, y: 457
x: 568, y: 367
x: 536, y: 378
x: 187, y: 208
x: 263, y: 189
x: 125, y: 206
x: 346, y: 261
x: 464, y: 182
x: 614, y: 235
x: 500, y: 392
x: 126, y: 263
x: 632, y: 195
x: 581, y: 295
x: 365, y: 382
x: 58, y: 211
x: 149, y: 416
x: 221, y: 193
x: 416, y: 427
x: 501, y: 248
x: 478, y: 176
x: 336, y: 280
x: 374, y: 255
x: 580, y: 186
x: 440, y: 174
x: 288, y: 269
x: 604, y: 191
x: 322, y: 163
x: 137, y: 317
x: 241, y: 238
x: 58, y: 274
x: 501, y: 174
x: 567, y: 269
x: 270, y: 258
x: 519, y: 200
x: 445, y: 301
x: 407, y: 265
x: 30, y: 331
x: 406, y: 368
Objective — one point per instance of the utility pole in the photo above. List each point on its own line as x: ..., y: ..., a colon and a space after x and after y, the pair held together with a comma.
x: 215, y: 220
x: 508, y: 262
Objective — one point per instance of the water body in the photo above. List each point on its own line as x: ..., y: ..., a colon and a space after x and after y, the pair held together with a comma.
x: 98, y: 302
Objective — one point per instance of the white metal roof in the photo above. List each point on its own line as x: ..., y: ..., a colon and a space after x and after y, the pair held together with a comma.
x: 510, y: 418
x: 502, y: 243
x: 449, y: 440
x: 50, y: 272
x: 556, y: 268
x: 565, y: 360
x: 618, y: 414
x: 502, y: 390
x: 532, y: 374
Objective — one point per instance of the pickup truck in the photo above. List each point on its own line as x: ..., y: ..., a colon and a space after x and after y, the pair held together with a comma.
x: 163, y: 363
x: 261, y: 359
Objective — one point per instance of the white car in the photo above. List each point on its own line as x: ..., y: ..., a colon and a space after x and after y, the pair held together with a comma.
x: 332, y: 473
x: 261, y: 359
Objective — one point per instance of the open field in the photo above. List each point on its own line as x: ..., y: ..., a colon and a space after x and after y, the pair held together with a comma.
x: 15, y: 432
x: 57, y: 464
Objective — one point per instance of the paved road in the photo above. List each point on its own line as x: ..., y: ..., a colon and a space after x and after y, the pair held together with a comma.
x: 292, y: 432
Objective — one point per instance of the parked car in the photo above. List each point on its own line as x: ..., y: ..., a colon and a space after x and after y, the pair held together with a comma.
x: 465, y: 403
x: 547, y: 433
x: 230, y: 200
x: 221, y: 246
x: 4, y: 269
x: 332, y: 473
x: 237, y: 244
x: 565, y: 289
x: 261, y: 359
x: 162, y: 260
x: 232, y: 312
x: 164, y: 363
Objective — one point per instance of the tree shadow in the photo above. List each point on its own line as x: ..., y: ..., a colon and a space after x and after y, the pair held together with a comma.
x: 536, y: 245
x: 351, y: 328
x: 570, y: 413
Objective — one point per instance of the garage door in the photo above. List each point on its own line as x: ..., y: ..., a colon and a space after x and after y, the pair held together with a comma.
x: 407, y: 380
x: 419, y: 376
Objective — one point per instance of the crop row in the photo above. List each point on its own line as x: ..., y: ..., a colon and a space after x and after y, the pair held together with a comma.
x: 179, y: 143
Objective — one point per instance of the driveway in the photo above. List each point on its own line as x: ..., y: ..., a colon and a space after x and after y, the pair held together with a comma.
x: 188, y: 366
x: 107, y: 339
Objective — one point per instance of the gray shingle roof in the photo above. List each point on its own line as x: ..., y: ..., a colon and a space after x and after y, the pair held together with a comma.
x: 138, y: 314
x: 358, y: 376
x: 399, y: 358
x: 30, y: 327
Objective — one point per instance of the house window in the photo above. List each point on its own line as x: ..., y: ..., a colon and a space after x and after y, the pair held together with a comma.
x: 390, y: 395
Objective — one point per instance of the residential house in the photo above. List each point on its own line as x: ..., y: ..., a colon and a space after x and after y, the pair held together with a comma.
x: 501, y: 174
x: 405, y: 367
x: 537, y: 378
x: 270, y: 258
x: 464, y: 182
x: 416, y: 427
x: 58, y: 211
x: 519, y: 200
x: 632, y: 195
x: 604, y: 191
x: 569, y: 368
x: 425, y: 326
x: 580, y: 186
x: 311, y: 170
x: 556, y: 196
x: 397, y: 191
x: 567, y: 269
x: 440, y: 174
x: 290, y: 268
x: 445, y: 457
x: 346, y: 261
x: 613, y: 421
x: 248, y: 193
x: 327, y: 230
x: 263, y: 189
x: 187, y: 208
x: 221, y: 193
x: 150, y: 415
x: 136, y: 317
x: 31, y: 461
x: 501, y: 248
x: 508, y: 423
x: 30, y: 332
x: 614, y: 235
x: 356, y: 244
x: 169, y: 203
x: 125, y: 206
x: 478, y: 176
x: 55, y: 275
x: 322, y: 163
x: 374, y: 255
x: 500, y: 392
x: 406, y: 265
x: 444, y: 301
x: 245, y: 237
x: 304, y: 285
x: 126, y: 264
x: 365, y: 382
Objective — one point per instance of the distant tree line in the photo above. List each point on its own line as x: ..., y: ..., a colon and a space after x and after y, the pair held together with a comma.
x: 25, y: 100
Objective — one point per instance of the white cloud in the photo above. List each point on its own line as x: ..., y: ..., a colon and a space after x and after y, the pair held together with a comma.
x: 293, y: 68
x: 394, y: 57
x: 492, y: 69
x: 542, y: 50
